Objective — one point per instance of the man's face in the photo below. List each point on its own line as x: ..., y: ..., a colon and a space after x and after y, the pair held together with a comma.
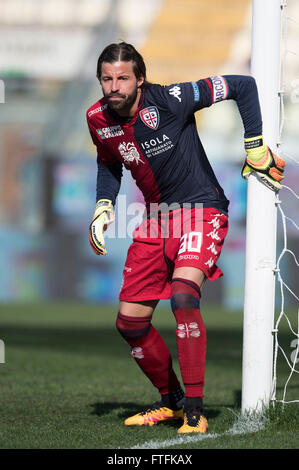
x: 120, y: 87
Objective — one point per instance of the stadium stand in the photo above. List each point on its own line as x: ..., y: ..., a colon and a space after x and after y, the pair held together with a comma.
x: 180, y: 45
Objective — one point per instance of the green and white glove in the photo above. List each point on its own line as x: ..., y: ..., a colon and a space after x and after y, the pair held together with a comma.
x: 102, y: 218
x: 260, y: 159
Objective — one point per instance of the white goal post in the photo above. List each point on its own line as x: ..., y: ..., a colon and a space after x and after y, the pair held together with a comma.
x: 261, y: 217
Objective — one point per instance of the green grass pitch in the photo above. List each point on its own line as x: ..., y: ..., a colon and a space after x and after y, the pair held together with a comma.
x: 68, y: 382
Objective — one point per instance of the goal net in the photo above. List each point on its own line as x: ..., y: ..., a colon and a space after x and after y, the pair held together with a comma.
x: 285, y: 387
x: 270, y: 332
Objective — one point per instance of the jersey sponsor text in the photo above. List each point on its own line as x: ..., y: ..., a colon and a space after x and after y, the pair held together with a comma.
x: 97, y: 110
x: 109, y: 132
x: 156, y: 146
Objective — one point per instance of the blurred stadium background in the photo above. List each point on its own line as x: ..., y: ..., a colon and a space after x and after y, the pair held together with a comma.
x: 48, y: 55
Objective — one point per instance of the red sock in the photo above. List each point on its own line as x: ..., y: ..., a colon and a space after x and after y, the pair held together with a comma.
x: 191, y: 335
x: 150, y: 351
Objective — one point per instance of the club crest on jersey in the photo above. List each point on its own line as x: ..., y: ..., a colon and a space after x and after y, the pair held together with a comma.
x: 129, y: 152
x: 150, y: 117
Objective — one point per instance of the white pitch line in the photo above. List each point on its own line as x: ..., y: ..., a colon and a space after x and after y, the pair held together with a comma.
x: 176, y: 441
x: 244, y: 424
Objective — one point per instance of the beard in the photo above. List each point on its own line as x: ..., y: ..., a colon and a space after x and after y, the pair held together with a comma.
x: 119, y: 102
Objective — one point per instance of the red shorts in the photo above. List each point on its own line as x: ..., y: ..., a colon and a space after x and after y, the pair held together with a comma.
x: 183, y: 237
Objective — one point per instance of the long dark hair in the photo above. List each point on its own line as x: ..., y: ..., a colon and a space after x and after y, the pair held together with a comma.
x: 124, y: 52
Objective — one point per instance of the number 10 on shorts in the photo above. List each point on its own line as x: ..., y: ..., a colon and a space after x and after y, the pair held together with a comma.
x: 191, y: 241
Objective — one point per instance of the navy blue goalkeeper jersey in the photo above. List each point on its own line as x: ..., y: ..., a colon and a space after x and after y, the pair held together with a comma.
x: 160, y: 144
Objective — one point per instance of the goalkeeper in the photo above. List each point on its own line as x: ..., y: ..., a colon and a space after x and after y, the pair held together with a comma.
x: 151, y: 131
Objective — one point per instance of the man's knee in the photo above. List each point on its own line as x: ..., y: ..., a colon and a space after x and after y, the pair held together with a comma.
x: 132, y: 328
x: 184, y: 294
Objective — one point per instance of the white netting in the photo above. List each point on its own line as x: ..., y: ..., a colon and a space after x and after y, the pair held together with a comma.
x: 289, y: 314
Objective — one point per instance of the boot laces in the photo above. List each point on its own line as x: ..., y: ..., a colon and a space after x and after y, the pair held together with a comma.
x: 193, y: 416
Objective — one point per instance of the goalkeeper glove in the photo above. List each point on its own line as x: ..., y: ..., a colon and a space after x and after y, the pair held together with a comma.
x: 103, y: 216
x: 260, y: 159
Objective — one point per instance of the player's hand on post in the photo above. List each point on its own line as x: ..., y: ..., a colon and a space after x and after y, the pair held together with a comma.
x: 261, y: 160
x: 102, y: 218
